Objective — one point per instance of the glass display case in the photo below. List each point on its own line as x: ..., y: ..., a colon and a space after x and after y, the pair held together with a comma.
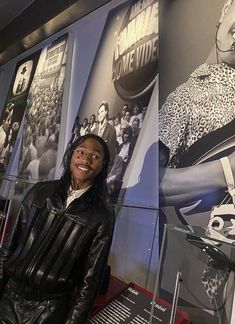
x: 134, y: 253
x: 133, y: 260
x: 12, y: 189
x: 195, y: 276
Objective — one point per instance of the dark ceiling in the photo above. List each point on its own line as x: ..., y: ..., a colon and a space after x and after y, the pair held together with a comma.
x: 25, y: 23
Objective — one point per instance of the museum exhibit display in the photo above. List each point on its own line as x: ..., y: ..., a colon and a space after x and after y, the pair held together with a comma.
x: 196, y: 275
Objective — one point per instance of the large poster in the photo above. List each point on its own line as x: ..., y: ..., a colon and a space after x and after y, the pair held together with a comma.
x: 120, y: 84
x: 42, y: 116
x: 14, y: 108
x: 196, y: 129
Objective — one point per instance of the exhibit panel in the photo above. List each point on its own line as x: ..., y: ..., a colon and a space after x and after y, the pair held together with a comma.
x: 199, y: 281
x: 196, y: 131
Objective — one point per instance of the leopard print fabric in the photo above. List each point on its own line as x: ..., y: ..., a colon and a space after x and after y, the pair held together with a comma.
x: 196, y: 108
x: 214, y: 282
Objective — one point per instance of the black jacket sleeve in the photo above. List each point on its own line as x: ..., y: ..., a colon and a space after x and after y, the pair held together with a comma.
x: 95, y: 262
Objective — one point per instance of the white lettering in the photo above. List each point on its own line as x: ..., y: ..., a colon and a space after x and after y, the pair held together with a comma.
x: 143, y: 25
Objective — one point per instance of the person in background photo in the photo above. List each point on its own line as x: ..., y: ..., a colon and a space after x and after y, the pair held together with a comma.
x: 135, y: 129
x: 106, y: 130
x: 115, y: 175
x: 117, y: 125
x: 3, y: 137
x: 75, y: 131
x: 123, y: 112
x: 59, y: 242
x: 127, y: 118
x: 196, y: 131
x: 136, y: 114
x: 84, y: 127
x: 144, y: 110
x: 92, y: 124
x: 201, y: 108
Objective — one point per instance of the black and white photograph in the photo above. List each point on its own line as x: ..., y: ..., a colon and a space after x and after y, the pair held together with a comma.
x: 41, y: 127
x: 196, y: 126
x: 126, y: 63
x: 196, y: 119
x: 14, y: 108
x: 22, y: 77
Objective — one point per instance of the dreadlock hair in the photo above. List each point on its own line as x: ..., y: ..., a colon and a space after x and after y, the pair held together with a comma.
x: 99, y: 185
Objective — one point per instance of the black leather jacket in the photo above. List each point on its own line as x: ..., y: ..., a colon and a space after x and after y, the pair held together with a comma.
x: 52, y: 249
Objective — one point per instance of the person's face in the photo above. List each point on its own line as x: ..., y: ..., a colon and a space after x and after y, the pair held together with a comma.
x: 125, y: 137
x: 92, y: 119
x: 86, y: 163
x: 102, y: 113
x: 15, y: 126
x: 135, y: 124
x: 116, y: 121
x: 144, y: 111
x: 136, y: 110
x: 226, y: 32
x: 84, y: 123
x: 124, y: 109
x: 127, y: 116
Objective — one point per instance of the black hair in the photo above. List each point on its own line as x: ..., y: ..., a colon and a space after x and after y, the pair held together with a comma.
x: 93, y: 116
x: 118, y: 116
x: 105, y: 104
x: 99, y: 185
x: 85, y: 120
x: 106, y: 107
x: 127, y: 130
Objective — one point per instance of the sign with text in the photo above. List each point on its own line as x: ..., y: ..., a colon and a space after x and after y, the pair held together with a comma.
x: 135, y: 58
x: 133, y: 306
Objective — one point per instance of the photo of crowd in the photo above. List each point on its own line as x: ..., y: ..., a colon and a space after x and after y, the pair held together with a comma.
x: 42, y: 116
x: 14, y: 108
x: 8, y: 133
x: 40, y: 139
x: 120, y: 132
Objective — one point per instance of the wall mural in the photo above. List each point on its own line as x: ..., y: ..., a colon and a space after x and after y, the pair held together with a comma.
x: 120, y: 84
x: 196, y: 129
x: 42, y: 115
x: 14, y: 108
